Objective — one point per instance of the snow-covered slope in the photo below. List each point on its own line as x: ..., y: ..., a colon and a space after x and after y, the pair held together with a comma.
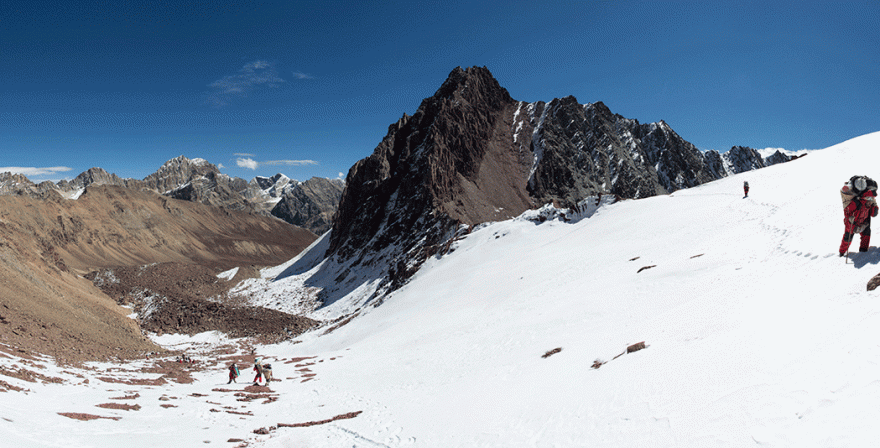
x: 756, y: 334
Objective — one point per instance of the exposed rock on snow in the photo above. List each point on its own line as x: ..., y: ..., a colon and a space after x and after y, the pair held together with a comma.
x: 874, y: 282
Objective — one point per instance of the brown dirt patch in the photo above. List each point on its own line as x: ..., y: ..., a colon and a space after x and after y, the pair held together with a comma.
x: 174, y: 371
x: 295, y: 360
x: 28, y: 375
x: 258, y: 389
x: 552, y: 352
x: 133, y: 381
x: 85, y: 417
x: 320, y: 422
x: 5, y: 387
x: 268, y: 398
x: 124, y: 407
x: 127, y: 397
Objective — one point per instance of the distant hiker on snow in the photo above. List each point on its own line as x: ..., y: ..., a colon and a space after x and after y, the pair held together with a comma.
x: 233, y: 373
x: 859, y: 206
x: 258, y: 367
x: 267, y: 372
x: 746, y: 188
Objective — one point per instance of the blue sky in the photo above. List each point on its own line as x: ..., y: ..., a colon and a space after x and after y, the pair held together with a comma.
x: 308, y: 88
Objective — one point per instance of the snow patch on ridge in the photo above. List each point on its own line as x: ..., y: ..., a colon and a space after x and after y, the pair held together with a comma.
x: 228, y: 275
x: 537, y: 141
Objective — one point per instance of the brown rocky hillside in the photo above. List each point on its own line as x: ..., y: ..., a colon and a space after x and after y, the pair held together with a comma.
x: 48, y: 245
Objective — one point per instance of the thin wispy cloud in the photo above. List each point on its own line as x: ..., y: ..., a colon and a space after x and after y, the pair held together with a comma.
x: 300, y: 75
x: 254, y: 75
x: 243, y: 154
x: 35, y: 171
x: 247, y: 162
x: 290, y: 162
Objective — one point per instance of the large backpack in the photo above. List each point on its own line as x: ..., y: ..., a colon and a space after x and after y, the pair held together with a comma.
x: 855, y: 186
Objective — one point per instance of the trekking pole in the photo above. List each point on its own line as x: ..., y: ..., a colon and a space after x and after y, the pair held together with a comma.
x: 847, y: 258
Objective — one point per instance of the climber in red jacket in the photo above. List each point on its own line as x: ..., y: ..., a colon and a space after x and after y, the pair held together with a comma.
x: 859, y: 206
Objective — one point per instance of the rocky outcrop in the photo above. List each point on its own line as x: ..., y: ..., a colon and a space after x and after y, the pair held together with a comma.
x: 777, y: 157
x: 214, y: 188
x: 585, y: 150
x: 424, y: 178
x: 310, y: 204
x: 741, y: 159
x: 18, y: 184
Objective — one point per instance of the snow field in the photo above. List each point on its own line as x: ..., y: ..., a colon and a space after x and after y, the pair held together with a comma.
x: 762, y: 338
x: 756, y: 332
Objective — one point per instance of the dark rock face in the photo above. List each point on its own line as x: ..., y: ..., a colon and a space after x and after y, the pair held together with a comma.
x: 472, y: 154
x: 311, y: 204
x: 743, y: 159
x: 777, y: 157
x: 214, y: 189
x: 584, y: 150
x: 424, y: 178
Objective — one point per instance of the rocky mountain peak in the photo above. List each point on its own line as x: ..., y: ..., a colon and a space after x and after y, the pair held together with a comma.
x: 474, y: 84
x: 96, y: 176
x: 265, y: 183
x: 429, y: 162
x: 178, y: 171
x: 472, y: 154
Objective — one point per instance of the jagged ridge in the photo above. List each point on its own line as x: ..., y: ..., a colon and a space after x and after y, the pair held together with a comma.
x: 472, y: 154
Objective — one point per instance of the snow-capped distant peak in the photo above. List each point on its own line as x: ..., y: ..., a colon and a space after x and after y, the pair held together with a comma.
x: 767, y: 152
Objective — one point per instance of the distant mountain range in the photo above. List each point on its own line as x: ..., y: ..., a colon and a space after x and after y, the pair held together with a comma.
x: 310, y: 204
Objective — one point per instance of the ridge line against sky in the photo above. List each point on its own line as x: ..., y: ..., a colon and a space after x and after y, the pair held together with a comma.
x: 308, y: 88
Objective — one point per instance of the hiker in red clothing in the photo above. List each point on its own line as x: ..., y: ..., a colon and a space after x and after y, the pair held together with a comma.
x: 859, y: 206
x: 258, y: 367
x: 233, y: 373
